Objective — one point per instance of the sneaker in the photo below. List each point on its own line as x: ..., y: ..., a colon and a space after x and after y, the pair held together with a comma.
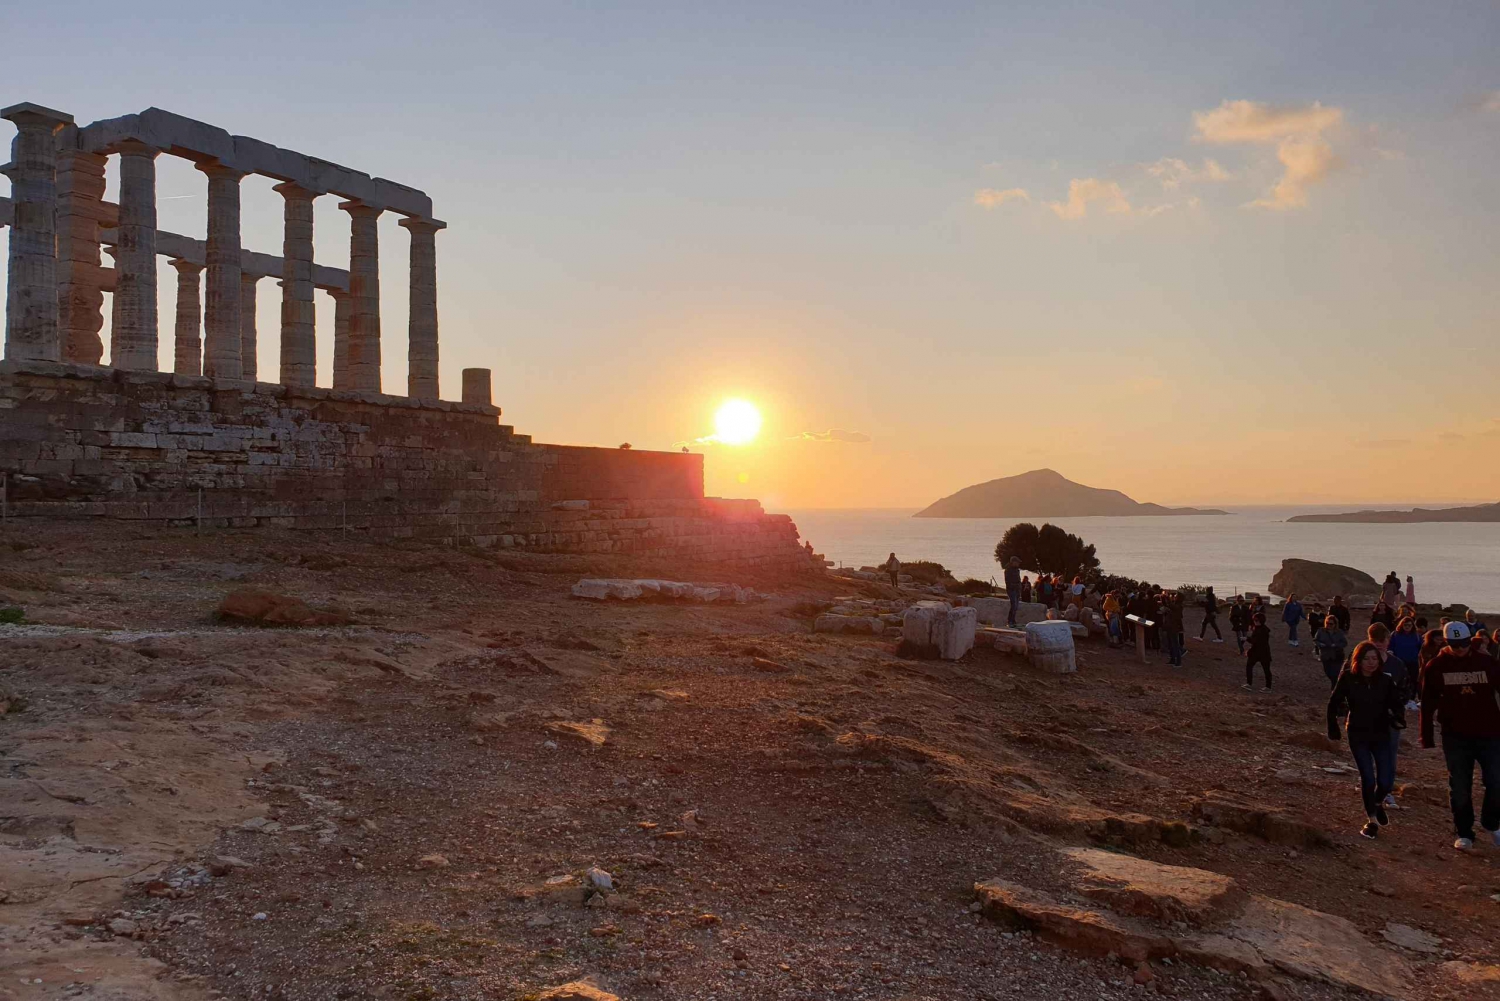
x: 1267, y: 690
x: 1370, y: 830
x: 1248, y: 687
x: 1294, y: 643
x: 1495, y: 837
x: 1381, y: 817
x: 1198, y: 638
x: 1463, y: 844
x: 1390, y: 803
x: 1218, y: 641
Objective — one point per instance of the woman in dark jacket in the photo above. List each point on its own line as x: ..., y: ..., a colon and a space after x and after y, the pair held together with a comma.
x: 1258, y: 651
x: 1383, y: 614
x: 1376, y: 706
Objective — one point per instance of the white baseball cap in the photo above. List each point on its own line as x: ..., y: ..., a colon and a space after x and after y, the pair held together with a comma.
x: 1456, y: 632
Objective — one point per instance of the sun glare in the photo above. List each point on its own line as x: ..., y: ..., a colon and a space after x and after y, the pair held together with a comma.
x: 737, y: 422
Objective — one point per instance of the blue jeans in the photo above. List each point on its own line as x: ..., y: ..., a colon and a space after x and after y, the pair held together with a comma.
x: 1291, y: 632
x: 1015, y: 604
x: 1376, y: 760
x: 1461, y: 753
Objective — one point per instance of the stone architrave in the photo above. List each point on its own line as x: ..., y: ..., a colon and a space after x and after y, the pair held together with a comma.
x: 80, y: 292
x: 341, y: 309
x: 364, y: 295
x: 422, y: 351
x: 299, y: 349
x: 31, y: 330
x: 134, y: 333
x: 221, y: 307
x: 187, y: 340
x: 249, y: 346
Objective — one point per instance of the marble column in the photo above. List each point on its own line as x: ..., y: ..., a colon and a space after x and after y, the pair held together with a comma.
x: 31, y: 330
x: 422, y: 325
x: 341, y: 310
x: 80, y: 292
x: 364, y: 295
x: 187, y: 352
x: 221, y: 307
x: 249, y: 366
x: 299, y: 346
x: 133, y: 337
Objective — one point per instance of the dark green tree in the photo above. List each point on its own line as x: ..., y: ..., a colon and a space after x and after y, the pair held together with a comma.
x: 1047, y: 550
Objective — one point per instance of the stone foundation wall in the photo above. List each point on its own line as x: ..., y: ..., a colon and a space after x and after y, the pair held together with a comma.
x: 79, y: 441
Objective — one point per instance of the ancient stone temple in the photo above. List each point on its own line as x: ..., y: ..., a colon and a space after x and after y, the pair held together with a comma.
x: 214, y: 441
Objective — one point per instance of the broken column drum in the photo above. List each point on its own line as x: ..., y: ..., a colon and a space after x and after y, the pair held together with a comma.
x: 1049, y: 646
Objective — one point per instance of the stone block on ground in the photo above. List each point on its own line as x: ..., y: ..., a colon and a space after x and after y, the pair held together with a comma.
x: 603, y: 589
x: 267, y: 608
x: 1049, y: 646
x: 939, y: 628
x: 996, y: 611
x: 865, y: 624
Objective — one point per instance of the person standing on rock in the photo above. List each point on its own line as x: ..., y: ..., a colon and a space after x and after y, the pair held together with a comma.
x: 1291, y: 614
x: 1239, y: 621
x: 1331, y: 642
x: 1258, y: 651
x: 1411, y: 591
x: 1210, y: 616
x: 1013, y: 589
x: 1461, y: 691
x: 1390, y: 589
x: 1376, y: 709
x: 892, y: 566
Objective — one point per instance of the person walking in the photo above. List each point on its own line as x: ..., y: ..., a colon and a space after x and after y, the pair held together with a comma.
x: 1340, y: 611
x: 1026, y: 589
x: 1291, y: 614
x: 1210, y: 616
x: 1411, y: 592
x: 1013, y: 589
x: 1402, y: 674
x: 1112, y: 615
x: 1239, y: 621
x: 892, y: 566
x: 1331, y: 642
x: 1376, y: 709
x: 1461, y: 691
x: 1405, y: 645
x: 1474, y: 622
x: 1258, y: 651
x: 1383, y: 613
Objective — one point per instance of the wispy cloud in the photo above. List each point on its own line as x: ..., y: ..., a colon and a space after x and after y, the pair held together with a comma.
x: 1173, y: 173
x: 1382, y: 442
x: 993, y: 198
x: 1082, y: 191
x: 832, y: 434
x: 1297, y: 132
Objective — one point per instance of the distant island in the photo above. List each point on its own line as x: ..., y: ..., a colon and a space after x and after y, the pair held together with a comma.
x: 1477, y: 512
x: 1047, y: 494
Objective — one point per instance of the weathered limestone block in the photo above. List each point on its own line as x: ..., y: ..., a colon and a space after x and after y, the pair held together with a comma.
x: 1049, y: 646
x: 827, y: 623
x: 935, y: 625
x: 995, y: 611
x: 602, y: 589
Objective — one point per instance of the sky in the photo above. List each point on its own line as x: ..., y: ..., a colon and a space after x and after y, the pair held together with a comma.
x: 1199, y: 252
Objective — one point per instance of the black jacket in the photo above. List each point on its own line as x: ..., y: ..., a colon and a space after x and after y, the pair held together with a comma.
x: 1376, y: 705
x: 1239, y: 617
x: 1341, y: 613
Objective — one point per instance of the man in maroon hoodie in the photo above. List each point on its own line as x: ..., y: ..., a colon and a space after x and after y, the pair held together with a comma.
x: 1461, y: 690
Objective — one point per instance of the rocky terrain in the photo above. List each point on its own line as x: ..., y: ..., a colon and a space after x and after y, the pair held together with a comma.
x: 456, y: 780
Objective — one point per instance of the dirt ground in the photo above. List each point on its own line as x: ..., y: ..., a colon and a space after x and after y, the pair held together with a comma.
x: 192, y: 810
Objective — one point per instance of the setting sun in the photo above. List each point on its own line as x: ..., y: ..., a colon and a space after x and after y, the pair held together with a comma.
x: 737, y: 422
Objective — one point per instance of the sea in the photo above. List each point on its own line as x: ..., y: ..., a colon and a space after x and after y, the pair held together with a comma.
x: 1238, y: 551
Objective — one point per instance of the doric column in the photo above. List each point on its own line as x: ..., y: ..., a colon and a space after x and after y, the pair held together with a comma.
x: 133, y: 338
x: 31, y: 298
x: 422, y: 325
x: 80, y: 295
x: 299, y: 346
x: 477, y: 385
x: 221, y: 308
x: 249, y: 366
x: 364, y: 295
x: 187, y: 353
x: 341, y: 309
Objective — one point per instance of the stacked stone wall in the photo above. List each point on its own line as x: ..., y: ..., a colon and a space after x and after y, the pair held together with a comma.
x: 81, y: 442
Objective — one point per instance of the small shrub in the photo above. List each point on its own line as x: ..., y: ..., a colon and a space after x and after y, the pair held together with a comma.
x: 927, y: 572
x: 12, y: 616
x: 971, y: 585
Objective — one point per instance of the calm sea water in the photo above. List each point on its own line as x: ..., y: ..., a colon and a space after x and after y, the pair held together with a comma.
x: 1241, y: 550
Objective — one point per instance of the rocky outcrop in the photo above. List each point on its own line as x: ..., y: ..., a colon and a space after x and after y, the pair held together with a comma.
x: 1142, y: 911
x: 1304, y: 577
x: 266, y: 608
